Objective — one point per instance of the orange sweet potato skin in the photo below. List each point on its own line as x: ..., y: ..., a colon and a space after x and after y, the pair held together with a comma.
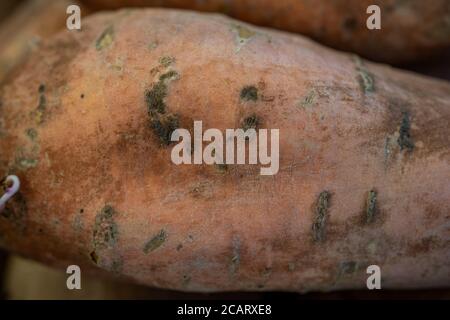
x: 410, y: 30
x: 99, y: 189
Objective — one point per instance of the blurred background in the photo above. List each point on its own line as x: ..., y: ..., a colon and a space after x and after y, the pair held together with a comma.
x: 23, y: 25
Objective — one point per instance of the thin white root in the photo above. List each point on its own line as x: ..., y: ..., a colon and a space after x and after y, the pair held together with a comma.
x: 10, y: 191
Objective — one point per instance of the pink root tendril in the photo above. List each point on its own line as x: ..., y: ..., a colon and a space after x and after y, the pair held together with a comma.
x: 12, y: 186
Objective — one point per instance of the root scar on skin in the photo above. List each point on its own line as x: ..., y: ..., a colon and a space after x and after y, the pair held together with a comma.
x: 321, y: 216
x: 371, y: 206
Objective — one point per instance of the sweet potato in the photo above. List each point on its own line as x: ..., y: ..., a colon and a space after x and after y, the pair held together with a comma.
x: 410, y: 30
x: 364, y: 159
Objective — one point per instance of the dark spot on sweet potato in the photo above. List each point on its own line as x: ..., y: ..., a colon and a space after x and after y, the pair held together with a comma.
x: 243, y: 35
x: 104, y: 239
x: 169, y: 75
x: 321, y: 216
x: 163, y: 126
x: 41, y: 88
x: 236, y: 255
x: 425, y: 245
x: 308, y: 100
x: 166, y: 61
x: 24, y: 163
x: 105, y: 232
x: 156, y: 241
x: 105, y: 39
x: 162, y: 123
x: 243, y: 32
x: 186, y: 280
x: 350, y: 23
x: 365, y: 78
x: 250, y: 122
x: 31, y: 133
x: 38, y: 114
x: 267, y: 271
x: 116, y: 265
x: 155, y: 98
x: 371, y: 206
x: 249, y: 93
x: 348, y: 267
x: 94, y: 257
x: 221, y: 167
x: 404, y: 140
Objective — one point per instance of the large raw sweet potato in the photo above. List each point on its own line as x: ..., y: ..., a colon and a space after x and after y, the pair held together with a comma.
x: 364, y: 159
x: 410, y: 30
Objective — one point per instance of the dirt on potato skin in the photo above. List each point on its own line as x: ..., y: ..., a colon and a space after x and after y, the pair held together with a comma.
x: 199, y: 228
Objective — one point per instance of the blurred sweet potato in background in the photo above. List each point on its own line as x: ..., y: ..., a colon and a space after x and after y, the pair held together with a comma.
x: 411, y: 30
x: 26, y: 26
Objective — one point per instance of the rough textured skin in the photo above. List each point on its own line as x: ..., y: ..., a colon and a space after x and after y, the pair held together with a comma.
x: 364, y: 160
x: 410, y: 30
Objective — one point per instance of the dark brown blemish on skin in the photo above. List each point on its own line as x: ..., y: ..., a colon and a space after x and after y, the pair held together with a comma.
x: 321, y: 216
x: 365, y: 78
x: 162, y: 123
x: 164, y: 126
x: 221, y: 167
x: 42, y: 99
x: 348, y: 267
x: 105, y: 232
x: 425, y: 246
x: 105, y: 229
x: 166, y: 61
x: 104, y: 239
x: 105, y: 39
x: 371, y: 206
x: 186, y: 280
x: 31, y: 133
x: 350, y: 23
x: 42, y: 104
x: 404, y: 140
x: 249, y: 93
x: 250, y: 122
x: 156, y: 241
x: 94, y: 257
x: 236, y: 255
